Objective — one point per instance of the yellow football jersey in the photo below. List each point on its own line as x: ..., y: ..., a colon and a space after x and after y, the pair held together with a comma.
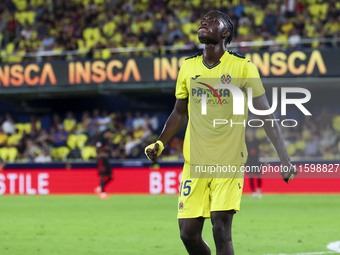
x: 215, y: 135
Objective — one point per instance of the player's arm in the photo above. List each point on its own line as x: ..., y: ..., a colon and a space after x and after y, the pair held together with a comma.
x: 275, y: 135
x: 172, y: 126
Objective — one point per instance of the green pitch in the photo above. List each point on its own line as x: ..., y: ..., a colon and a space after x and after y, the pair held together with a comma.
x: 125, y: 225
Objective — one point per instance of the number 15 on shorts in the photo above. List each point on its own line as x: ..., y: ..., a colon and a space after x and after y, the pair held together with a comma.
x: 185, y: 188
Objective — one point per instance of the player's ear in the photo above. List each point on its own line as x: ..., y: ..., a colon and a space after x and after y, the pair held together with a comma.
x: 225, y: 33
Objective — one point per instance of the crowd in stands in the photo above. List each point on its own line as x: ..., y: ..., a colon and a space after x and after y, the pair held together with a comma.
x: 313, y: 137
x: 126, y: 135
x: 94, y: 26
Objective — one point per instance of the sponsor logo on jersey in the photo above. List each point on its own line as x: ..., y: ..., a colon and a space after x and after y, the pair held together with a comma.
x: 215, y: 95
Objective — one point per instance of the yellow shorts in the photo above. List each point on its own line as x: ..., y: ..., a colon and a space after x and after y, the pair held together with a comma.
x: 200, y: 196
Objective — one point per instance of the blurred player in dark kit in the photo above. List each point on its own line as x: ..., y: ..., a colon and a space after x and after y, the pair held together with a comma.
x: 253, y: 162
x: 103, y: 165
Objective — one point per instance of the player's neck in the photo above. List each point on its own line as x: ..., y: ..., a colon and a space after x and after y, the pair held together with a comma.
x: 213, y: 52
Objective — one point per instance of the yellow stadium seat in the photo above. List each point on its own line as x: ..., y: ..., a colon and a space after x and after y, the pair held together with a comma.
x: 80, y: 43
x: 85, y: 2
x: 102, y: 15
x: 260, y: 133
x: 88, y: 152
x: 72, y: 141
x: 194, y: 38
x: 306, y: 134
x: 314, y: 10
x: 4, y: 154
x: 3, y: 56
x: 20, y: 17
x: 14, y: 139
x: 20, y: 127
x: 336, y: 123
x: 87, y: 33
x: 81, y: 140
x: 21, y: 4
x: 27, y: 128
x: 96, y: 33
x: 97, y: 54
x: 117, y: 139
x: 34, y: 35
x: 89, y: 44
x: 38, y: 124
x: 63, y: 152
x: 54, y: 153
x: 69, y: 124
x: 105, y: 54
x: 36, y: 3
x: 79, y: 128
x: 38, y: 151
x: 291, y: 149
x: 300, y: 145
x: 30, y: 17
x: 10, y: 48
x: 109, y: 28
x: 91, y: 33
x: 186, y: 28
x: 117, y: 38
x: 12, y: 154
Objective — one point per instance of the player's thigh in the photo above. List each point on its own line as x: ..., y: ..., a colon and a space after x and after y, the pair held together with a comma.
x: 193, y: 197
x: 226, y: 194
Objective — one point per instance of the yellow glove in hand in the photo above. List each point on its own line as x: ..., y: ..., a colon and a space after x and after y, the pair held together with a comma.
x: 153, y: 151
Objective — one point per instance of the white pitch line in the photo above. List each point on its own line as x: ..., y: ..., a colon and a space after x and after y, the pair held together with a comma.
x: 306, y: 253
x: 334, y: 248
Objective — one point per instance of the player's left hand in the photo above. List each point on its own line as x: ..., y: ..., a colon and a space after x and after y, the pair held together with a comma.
x: 286, y: 174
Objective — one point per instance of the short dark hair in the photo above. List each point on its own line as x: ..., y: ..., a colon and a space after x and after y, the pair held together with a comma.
x: 230, y: 26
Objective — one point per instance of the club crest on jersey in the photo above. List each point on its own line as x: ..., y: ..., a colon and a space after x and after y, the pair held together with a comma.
x: 181, y: 205
x: 225, y: 78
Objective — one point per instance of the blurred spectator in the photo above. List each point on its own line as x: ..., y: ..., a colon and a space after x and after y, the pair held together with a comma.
x: 35, y: 124
x: 69, y: 123
x: 42, y: 137
x: 154, y: 122
x: 270, y: 21
x: 312, y: 146
x: 59, y: 138
x: 48, y: 42
x: 129, y: 145
x: 129, y: 120
x: 138, y: 120
x: 31, y: 149
x: 56, y: 124
x: 3, y: 138
x: 94, y: 121
x: 104, y: 121
x: 8, y: 125
x: 294, y: 38
x: 83, y: 126
x: 43, y: 157
x: 27, y: 32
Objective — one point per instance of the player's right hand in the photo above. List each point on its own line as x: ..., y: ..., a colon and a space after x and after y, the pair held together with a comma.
x: 154, y: 150
x: 290, y: 174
